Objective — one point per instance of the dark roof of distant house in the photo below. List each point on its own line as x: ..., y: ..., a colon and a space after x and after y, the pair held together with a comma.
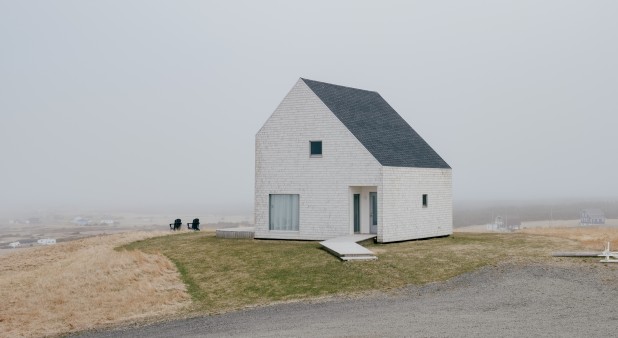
x: 387, y: 136
x: 594, y: 212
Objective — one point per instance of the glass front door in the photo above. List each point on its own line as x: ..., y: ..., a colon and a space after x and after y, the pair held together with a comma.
x: 373, y: 212
x: 356, y: 213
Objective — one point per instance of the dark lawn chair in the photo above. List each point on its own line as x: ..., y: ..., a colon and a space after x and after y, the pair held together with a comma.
x: 176, y: 225
x: 195, y: 225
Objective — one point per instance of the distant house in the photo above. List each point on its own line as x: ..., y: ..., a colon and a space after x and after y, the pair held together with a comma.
x: 333, y: 161
x: 507, y: 223
x: 46, y: 241
x: 81, y: 221
x: 592, y: 216
x: 14, y: 244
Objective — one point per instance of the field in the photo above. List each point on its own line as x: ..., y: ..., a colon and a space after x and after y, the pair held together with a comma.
x: 84, y: 284
x: 227, y: 274
x: 139, y: 277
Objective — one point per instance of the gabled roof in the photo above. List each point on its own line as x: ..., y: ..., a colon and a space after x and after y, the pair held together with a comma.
x: 387, y: 136
x: 594, y: 212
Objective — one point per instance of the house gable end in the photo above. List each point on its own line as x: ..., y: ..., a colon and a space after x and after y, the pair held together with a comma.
x: 294, y: 107
x: 284, y: 165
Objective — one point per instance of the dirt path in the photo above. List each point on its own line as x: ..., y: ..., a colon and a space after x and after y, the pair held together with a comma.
x: 512, y: 301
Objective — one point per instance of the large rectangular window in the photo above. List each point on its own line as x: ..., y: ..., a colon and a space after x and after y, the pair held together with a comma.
x: 283, y: 214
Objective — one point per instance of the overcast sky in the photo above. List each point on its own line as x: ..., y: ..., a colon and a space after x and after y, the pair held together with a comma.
x: 126, y: 103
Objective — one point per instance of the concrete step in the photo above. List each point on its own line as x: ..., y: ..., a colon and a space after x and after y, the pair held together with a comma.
x: 240, y: 232
x: 347, y: 249
x: 358, y: 258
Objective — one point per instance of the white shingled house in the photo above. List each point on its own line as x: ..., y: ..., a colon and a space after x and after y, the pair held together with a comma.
x: 334, y: 161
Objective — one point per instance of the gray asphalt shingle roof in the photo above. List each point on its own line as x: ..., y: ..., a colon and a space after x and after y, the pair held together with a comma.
x: 387, y: 136
x: 594, y: 212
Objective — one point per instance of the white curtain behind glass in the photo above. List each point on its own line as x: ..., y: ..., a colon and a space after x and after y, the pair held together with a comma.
x: 284, y: 212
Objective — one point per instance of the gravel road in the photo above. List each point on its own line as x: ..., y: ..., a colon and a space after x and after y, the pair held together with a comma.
x: 507, y: 301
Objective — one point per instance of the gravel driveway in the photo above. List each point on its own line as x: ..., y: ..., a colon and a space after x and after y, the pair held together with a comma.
x: 508, y: 301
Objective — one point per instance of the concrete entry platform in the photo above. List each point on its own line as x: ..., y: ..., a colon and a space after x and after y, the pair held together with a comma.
x: 241, y: 232
x: 347, y: 249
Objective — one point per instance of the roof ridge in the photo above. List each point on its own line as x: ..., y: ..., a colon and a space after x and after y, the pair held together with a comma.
x: 336, y: 85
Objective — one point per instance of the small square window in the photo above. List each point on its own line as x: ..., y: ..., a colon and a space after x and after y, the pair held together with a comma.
x: 425, y: 200
x: 316, y: 148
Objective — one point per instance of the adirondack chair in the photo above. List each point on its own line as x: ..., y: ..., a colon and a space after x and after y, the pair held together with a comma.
x: 176, y: 225
x: 195, y: 225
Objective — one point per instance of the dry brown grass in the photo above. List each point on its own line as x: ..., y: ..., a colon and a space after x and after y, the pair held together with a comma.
x: 84, y: 284
x: 590, y: 237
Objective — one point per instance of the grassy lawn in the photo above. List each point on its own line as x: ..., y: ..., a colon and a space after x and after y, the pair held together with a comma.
x: 226, y: 274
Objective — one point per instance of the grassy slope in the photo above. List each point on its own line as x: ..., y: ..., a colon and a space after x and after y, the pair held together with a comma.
x: 84, y: 284
x: 225, y: 274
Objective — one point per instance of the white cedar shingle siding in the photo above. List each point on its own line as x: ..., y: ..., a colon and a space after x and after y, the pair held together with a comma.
x: 284, y: 166
x: 402, y: 203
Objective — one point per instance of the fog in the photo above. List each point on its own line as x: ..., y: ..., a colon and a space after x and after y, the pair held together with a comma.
x: 156, y: 104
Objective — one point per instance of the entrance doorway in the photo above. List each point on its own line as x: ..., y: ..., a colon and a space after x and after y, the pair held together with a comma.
x: 363, y: 209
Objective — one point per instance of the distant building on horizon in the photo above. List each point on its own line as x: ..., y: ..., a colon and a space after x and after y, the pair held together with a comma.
x: 46, y: 241
x: 507, y: 223
x: 592, y: 217
x: 81, y: 221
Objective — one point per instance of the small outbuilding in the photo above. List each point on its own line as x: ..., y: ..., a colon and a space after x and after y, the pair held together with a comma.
x: 592, y: 217
x: 334, y: 161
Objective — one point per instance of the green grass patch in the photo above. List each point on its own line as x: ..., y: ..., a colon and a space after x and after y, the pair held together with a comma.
x: 225, y: 274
